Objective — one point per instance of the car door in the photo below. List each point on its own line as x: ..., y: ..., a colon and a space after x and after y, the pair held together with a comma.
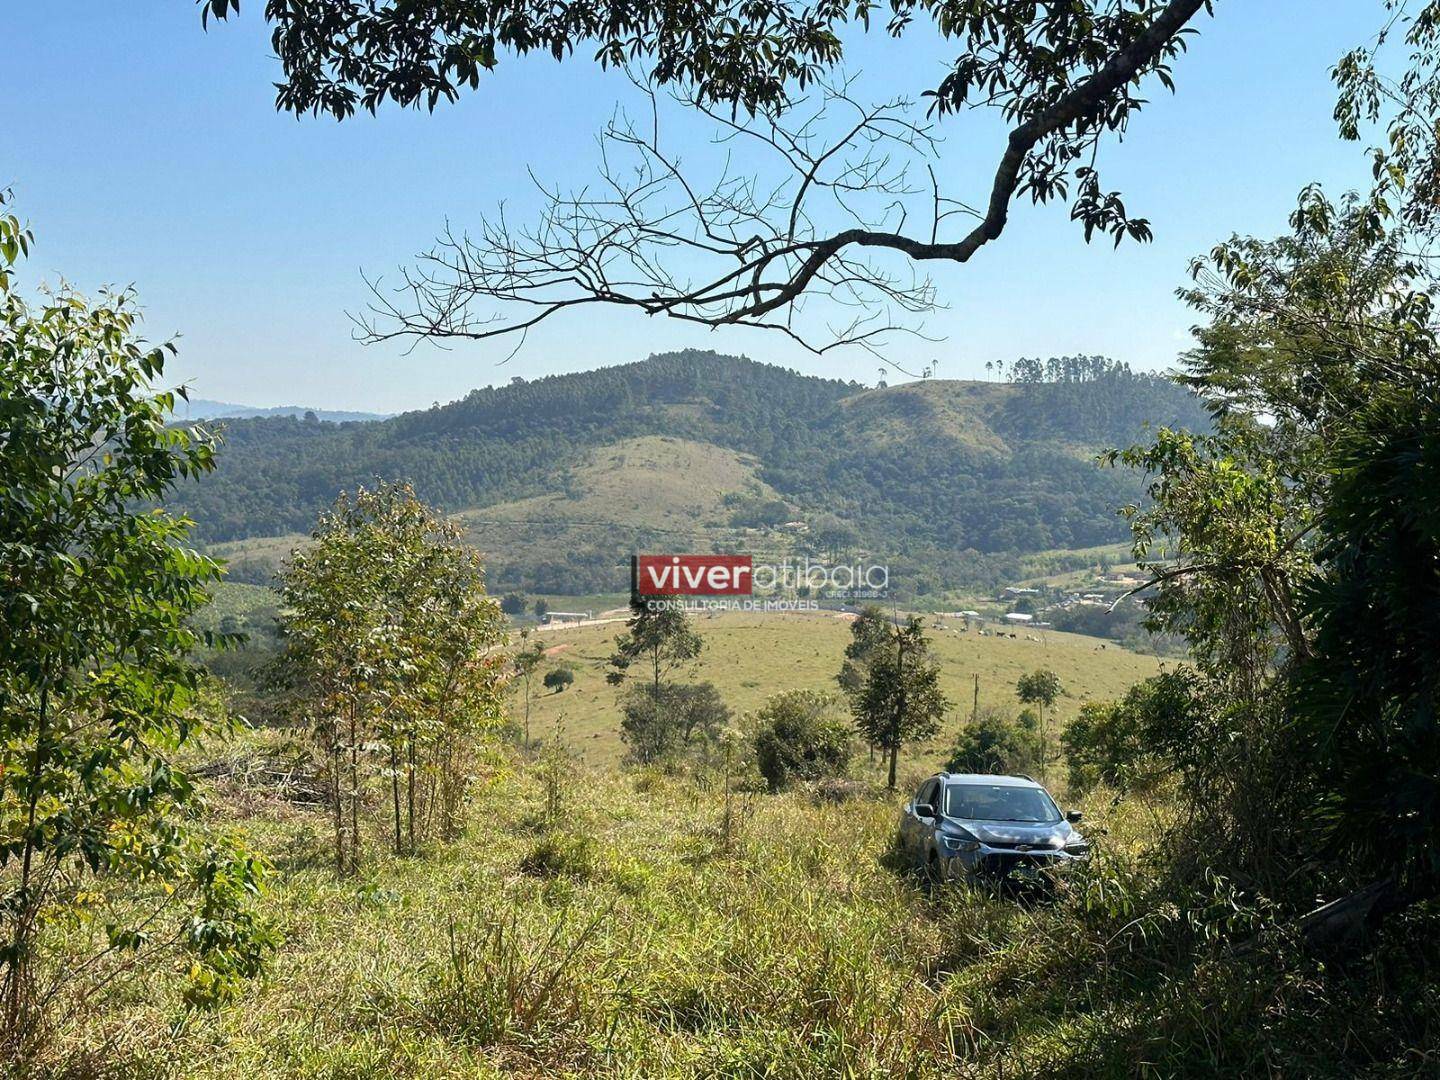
x: 913, y: 827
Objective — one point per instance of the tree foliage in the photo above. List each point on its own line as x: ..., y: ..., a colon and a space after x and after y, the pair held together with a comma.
x: 390, y: 645
x: 662, y: 723
x: 1066, y: 78
x: 658, y: 639
x: 901, y: 702
x: 1132, y: 743
x: 527, y: 659
x: 798, y: 736
x: 1296, y: 546
x: 869, y: 633
x: 996, y: 741
x: 99, y: 835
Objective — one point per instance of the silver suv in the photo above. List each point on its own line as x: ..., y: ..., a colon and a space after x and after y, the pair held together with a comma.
x: 1001, y: 827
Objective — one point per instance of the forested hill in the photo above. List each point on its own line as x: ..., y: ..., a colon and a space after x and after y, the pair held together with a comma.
x: 936, y: 471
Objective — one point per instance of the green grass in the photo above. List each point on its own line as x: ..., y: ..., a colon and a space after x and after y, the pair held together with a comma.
x: 638, y: 940
x: 656, y: 489
x: 252, y: 605
x: 751, y: 656
x: 652, y: 482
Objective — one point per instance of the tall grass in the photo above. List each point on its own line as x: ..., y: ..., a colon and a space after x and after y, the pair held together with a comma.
x: 626, y: 937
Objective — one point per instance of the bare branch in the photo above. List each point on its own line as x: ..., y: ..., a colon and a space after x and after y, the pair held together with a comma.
x: 821, y: 218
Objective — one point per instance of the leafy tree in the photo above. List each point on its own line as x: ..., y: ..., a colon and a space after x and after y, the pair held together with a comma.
x: 647, y: 726
x: 1040, y: 688
x: 527, y: 659
x: 1295, y: 546
x: 541, y: 607
x: 661, y: 724
x: 1132, y: 743
x: 901, y: 701
x: 513, y: 603
x: 798, y: 737
x: 388, y: 631
x: 100, y: 835
x: 869, y: 633
x: 997, y: 742
x: 657, y: 637
x: 454, y: 696
x: 559, y: 679
x: 702, y: 713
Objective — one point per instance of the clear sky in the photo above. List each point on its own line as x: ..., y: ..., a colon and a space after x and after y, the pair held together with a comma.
x: 144, y: 151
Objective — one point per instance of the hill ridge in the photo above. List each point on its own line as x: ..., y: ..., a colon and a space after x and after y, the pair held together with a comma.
x: 943, y: 476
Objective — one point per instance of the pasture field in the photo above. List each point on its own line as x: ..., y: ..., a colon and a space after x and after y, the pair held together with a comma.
x: 751, y: 656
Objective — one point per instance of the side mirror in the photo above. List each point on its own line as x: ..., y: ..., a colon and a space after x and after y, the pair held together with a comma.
x: 1073, y: 816
x: 924, y: 809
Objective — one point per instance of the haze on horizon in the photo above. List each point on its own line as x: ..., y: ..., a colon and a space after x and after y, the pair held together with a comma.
x: 245, y: 231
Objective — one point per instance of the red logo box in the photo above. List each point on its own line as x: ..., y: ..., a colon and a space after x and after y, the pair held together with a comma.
x: 690, y: 575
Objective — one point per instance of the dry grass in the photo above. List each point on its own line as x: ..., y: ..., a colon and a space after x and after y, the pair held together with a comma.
x: 749, y: 657
x: 633, y: 941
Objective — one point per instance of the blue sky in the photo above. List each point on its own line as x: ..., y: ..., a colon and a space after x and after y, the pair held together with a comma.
x: 147, y: 152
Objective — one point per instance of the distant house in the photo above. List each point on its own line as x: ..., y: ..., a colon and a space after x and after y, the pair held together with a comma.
x: 567, y: 616
x: 1016, y: 590
x: 1019, y: 617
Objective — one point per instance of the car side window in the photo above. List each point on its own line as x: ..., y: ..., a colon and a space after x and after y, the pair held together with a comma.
x: 928, y: 791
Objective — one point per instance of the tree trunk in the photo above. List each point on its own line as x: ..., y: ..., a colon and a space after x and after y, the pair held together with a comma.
x: 410, y: 793
x: 899, y: 725
x: 1044, y: 747
x: 354, y: 790
x: 17, y: 1004
x: 336, y: 765
x: 395, y: 793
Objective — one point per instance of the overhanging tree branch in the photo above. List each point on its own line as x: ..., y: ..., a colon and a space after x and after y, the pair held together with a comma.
x: 1064, y: 76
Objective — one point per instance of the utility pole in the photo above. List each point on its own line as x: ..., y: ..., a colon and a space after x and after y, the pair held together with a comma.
x: 975, y: 709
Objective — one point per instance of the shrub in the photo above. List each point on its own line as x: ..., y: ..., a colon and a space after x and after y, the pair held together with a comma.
x: 560, y: 854
x: 661, y: 724
x: 800, y: 738
x: 1129, y: 744
x: 997, y: 741
x: 558, y: 679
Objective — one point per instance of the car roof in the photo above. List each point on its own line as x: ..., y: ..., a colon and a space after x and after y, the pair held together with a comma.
x: 993, y: 779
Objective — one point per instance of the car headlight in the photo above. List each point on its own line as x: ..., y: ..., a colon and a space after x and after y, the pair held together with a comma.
x: 954, y: 844
x: 1077, y: 847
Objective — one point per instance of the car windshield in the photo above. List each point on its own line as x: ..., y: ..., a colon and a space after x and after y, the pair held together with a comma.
x: 999, y: 802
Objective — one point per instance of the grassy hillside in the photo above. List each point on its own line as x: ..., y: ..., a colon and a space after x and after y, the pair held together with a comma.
x: 648, y: 493
x: 946, y: 481
x: 640, y: 939
x: 751, y: 656
x: 653, y: 482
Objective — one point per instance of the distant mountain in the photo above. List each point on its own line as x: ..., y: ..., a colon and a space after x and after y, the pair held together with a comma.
x: 561, y: 478
x: 204, y: 409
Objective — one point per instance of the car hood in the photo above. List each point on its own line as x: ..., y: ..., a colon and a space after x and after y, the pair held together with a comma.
x: 1050, y: 834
